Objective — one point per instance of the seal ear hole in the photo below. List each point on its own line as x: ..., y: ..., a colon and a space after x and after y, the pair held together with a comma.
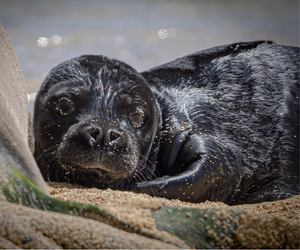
x: 137, y: 117
x: 64, y: 106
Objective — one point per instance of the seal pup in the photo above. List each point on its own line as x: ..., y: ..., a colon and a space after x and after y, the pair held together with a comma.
x: 221, y: 124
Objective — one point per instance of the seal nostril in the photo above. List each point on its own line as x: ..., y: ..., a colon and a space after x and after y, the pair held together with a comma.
x: 113, y: 136
x: 94, y: 133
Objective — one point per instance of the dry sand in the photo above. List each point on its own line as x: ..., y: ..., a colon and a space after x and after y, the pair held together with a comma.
x: 281, y: 229
x: 288, y: 208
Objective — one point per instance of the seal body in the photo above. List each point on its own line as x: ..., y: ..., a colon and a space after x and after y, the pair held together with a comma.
x: 220, y: 124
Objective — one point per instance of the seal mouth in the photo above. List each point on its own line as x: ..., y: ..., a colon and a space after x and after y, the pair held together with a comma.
x: 109, y: 164
x: 99, y: 146
x: 93, y: 176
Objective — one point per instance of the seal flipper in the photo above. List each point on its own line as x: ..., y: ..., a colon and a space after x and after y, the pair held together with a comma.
x: 212, y: 176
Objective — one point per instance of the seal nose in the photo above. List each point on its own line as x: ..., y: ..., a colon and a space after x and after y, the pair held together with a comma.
x: 95, y: 134
x: 113, y: 135
x: 98, y: 135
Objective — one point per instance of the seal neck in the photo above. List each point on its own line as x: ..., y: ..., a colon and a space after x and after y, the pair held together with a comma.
x: 153, y: 155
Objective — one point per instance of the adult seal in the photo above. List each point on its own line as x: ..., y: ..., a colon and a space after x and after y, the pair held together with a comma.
x: 220, y: 124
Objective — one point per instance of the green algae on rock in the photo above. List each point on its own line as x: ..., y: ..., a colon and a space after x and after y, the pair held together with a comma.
x: 227, y: 228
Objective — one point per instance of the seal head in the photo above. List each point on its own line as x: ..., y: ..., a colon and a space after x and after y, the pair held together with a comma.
x: 95, y: 120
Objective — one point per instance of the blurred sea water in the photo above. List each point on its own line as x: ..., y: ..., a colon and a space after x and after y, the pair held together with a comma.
x: 143, y: 33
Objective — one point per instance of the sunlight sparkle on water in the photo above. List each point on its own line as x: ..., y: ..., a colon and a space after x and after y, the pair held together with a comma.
x: 53, y: 40
x: 163, y: 33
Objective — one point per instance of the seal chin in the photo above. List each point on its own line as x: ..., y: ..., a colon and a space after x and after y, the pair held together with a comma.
x: 94, y: 177
x: 105, y: 173
x: 106, y: 167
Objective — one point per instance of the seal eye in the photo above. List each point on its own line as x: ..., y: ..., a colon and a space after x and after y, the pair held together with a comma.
x: 64, y: 106
x: 137, y: 117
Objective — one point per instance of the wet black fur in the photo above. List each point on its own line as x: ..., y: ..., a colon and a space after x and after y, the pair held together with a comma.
x: 223, y: 125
